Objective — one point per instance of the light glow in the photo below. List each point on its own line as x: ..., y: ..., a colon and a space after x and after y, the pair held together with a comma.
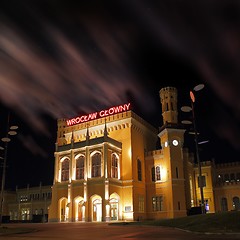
x: 163, y: 173
x: 106, y: 190
x: 107, y: 210
x: 130, y: 153
x: 95, y: 115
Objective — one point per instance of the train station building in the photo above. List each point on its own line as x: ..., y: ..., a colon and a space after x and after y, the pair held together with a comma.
x: 107, y: 168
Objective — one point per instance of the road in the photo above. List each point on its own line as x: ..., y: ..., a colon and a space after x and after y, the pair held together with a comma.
x: 78, y: 231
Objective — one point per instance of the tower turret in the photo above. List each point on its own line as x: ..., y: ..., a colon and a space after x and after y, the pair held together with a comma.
x: 168, y: 98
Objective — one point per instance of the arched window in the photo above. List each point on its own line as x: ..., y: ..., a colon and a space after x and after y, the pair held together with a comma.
x: 156, y: 174
x: 114, y: 166
x: 236, y: 203
x: 80, y: 167
x: 65, y: 170
x: 139, y: 168
x: 96, y: 165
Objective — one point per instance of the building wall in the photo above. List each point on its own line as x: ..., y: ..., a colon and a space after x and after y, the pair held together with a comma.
x: 227, y: 186
x: 29, y: 204
x: 151, y: 183
x: 133, y: 136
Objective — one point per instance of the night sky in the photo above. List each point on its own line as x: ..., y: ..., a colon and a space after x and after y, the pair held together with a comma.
x: 63, y: 58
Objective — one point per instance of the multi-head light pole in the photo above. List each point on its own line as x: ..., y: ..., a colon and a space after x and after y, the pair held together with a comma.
x: 10, y: 132
x: 188, y: 109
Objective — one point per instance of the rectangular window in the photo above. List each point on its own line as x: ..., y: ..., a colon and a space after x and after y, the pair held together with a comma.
x: 80, y: 167
x: 153, y: 174
x: 139, y: 168
x: 156, y: 174
x: 157, y: 203
x: 203, y: 181
x: 141, y: 203
x: 96, y: 165
x: 65, y: 170
x: 114, y: 167
x: 127, y: 208
x: 238, y: 177
x: 232, y: 177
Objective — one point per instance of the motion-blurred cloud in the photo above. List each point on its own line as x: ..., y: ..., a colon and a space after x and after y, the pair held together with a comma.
x: 78, y: 59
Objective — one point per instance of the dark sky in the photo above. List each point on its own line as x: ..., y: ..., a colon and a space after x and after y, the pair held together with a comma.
x: 62, y: 58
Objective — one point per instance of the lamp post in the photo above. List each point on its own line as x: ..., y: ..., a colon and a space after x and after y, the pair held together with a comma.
x: 10, y: 132
x: 191, y: 109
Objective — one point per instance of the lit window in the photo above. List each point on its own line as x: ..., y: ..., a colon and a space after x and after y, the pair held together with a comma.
x: 65, y: 170
x: 157, y: 203
x: 114, y: 166
x: 156, y: 174
x: 96, y: 165
x: 80, y: 167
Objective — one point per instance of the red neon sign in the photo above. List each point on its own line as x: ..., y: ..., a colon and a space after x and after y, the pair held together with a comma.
x: 95, y: 115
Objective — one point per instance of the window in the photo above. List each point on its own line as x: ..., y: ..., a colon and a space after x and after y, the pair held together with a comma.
x: 157, y: 203
x: 167, y: 107
x: 226, y: 177
x: 219, y: 179
x: 156, y: 174
x: 232, y: 177
x: 224, y: 205
x: 80, y: 167
x: 114, y: 166
x: 139, y: 168
x: 153, y: 174
x: 141, y: 203
x: 238, y: 177
x: 65, y: 170
x: 203, y: 181
x: 96, y: 165
x: 236, y: 203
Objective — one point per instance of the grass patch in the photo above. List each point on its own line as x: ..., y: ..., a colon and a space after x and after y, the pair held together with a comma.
x: 227, y: 222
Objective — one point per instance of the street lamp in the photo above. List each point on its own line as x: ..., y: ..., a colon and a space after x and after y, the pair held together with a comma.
x: 191, y: 109
x: 11, y: 131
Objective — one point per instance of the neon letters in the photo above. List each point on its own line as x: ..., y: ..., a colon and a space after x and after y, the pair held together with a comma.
x: 95, y: 115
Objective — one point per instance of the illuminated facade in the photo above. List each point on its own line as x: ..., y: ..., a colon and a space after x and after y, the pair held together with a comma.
x: 107, y: 167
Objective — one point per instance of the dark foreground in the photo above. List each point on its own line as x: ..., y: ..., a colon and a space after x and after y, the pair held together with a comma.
x: 77, y: 231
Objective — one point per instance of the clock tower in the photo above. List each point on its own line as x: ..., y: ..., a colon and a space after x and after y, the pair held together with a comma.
x: 172, y: 138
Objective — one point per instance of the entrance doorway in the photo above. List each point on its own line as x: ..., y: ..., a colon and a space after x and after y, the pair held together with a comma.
x: 97, y: 210
x: 114, y: 209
